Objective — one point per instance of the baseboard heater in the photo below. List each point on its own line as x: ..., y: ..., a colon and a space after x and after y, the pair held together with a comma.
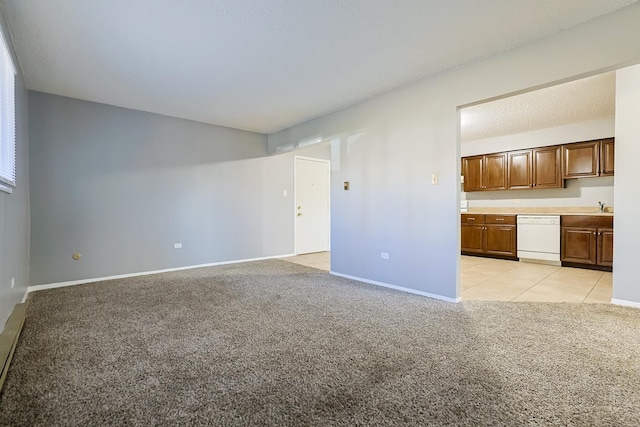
x: 9, y: 338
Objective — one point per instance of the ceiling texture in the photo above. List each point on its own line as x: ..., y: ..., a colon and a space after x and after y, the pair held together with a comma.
x: 265, y: 65
x: 591, y: 98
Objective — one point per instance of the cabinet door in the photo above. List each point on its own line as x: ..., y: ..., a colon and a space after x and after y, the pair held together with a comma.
x: 581, y: 159
x: 547, y: 168
x: 472, y: 238
x: 605, y: 247
x: 473, y: 171
x: 495, y: 171
x: 578, y: 245
x: 519, y: 170
x: 500, y: 240
x: 607, y: 157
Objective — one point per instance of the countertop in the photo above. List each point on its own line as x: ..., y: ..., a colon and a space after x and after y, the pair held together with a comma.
x: 542, y: 211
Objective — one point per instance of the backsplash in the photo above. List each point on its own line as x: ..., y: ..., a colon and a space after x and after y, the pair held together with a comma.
x: 578, y: 193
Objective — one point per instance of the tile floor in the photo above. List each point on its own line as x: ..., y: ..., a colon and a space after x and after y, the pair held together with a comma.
x: 502, y: 280
x: 490, y: 279
x: 319, y: 260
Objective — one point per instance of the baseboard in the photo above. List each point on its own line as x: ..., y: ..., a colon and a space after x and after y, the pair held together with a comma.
x: 36, y: 288
x: 399, y: 288
x: 9, y: 339
x: 625, y: 303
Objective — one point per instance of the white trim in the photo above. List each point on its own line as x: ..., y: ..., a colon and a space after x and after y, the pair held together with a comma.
x: 399, y: 288
x: 36, y: 288
x: 26, y: 294
x: 295, y: 197
x: 625, y: 303
x: 5, y: 188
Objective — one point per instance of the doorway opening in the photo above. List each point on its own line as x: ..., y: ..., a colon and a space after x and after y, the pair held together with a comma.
x: 516, y: 160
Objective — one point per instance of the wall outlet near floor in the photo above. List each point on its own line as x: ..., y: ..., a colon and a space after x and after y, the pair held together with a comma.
x: 384, y: 255
x: 13, y: 282
x: 516, y: 200
x: 177, y: 246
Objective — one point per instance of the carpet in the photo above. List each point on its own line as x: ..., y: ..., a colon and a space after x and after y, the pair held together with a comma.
x: 276, y: 343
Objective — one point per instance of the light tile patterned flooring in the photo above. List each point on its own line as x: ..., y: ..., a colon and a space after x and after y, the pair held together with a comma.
x: 490, y: 279
x: 319, y: 260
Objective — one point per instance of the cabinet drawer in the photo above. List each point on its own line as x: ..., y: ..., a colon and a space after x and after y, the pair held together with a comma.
x: 586, y: 221
x: 500, y: 219
x: 472, y: 219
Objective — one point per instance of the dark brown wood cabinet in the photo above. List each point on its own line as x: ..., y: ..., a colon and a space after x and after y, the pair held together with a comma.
x: 607, y: 157
x: 588, y: 159
x: 547, y: 167
x: 485, y: 173
x: 587, y: 241
x: 539, y: 168
x: 490, y: 235
x: 535, y: 168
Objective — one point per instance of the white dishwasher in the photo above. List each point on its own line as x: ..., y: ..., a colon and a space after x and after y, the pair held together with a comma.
x: 539, y: 238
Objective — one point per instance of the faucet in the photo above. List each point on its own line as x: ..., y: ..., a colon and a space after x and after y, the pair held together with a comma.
x: 601, y: 205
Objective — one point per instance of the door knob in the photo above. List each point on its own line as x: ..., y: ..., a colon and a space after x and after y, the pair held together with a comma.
x: 299, y: 213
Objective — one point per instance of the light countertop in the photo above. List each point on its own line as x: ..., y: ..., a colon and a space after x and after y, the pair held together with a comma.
x: 542, y: 211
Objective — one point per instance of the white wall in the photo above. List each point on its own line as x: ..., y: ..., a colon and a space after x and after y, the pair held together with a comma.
x: 584, y: 131
x: 585, y: 192
x: 626, y: 286
x: 389, y: 147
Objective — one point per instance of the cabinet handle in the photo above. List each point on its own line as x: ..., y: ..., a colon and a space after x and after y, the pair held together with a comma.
x: 499, y: 219
x: 594, y: 233
x: 471, y: 219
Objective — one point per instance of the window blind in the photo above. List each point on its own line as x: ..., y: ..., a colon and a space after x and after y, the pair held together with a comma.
x: 7, y: 116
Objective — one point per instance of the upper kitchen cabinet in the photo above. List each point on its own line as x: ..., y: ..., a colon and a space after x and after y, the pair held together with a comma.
x: 486, y: 172
x: 588, y: 159
x: 535, y: 168
x: 547, y: 167
x: 607, y: 156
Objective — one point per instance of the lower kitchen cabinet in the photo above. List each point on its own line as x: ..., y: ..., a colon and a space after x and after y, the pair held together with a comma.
x: 587, y: 241
x: 489, y: 235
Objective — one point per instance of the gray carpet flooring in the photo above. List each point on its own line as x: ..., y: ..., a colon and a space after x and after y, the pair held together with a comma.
x: 275, y: 343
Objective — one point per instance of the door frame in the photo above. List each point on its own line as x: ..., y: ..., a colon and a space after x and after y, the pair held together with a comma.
x: 295, y: 197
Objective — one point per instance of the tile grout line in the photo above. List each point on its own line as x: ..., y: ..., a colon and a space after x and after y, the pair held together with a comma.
x: 537, y: 283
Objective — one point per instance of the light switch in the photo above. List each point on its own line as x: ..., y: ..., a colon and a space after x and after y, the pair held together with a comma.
x: 346, y: 185
x: 434, y: 179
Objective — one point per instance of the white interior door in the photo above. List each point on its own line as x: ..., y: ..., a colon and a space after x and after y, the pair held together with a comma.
x: 312, y: 205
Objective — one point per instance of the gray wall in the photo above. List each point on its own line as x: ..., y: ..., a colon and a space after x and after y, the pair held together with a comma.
x: 626, y: 286
x: 14, y: 213
x: 122, y: 186
x: 389, y: 146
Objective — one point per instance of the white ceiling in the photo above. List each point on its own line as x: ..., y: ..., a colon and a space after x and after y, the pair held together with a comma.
x: 265, y: 65
x: 581, y: 100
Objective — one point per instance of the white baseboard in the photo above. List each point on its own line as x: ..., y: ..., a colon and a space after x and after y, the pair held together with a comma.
x: 399, y: 288
x: 36, y: 288
x: 625, y: 303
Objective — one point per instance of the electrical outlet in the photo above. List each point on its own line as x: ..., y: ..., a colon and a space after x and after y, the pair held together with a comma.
x: 13, y: 282
x: 516, y: 200
x: 177, y: 246
x: 384, y: 255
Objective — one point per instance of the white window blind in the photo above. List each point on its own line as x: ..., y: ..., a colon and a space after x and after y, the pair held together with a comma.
x: 7, y: 116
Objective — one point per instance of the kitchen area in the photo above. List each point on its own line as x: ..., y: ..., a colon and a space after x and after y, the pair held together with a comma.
x: 537, y: 176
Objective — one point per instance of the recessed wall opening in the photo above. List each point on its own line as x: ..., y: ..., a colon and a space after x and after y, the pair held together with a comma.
x: 536, y: 194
